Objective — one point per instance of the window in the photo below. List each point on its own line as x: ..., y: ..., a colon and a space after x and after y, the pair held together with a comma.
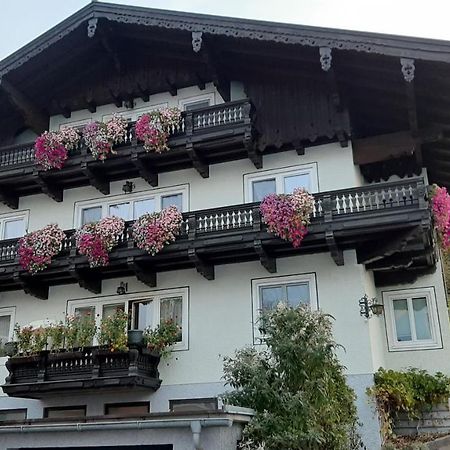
x: 130, y: 207
x: 292, y: 290
x: 152, y: 309
x: 280, y: 181
x: 12, y: 414
x: 136, y: 409
x: 135, y: 113
x: 6, y: 324
x: 193, y: 405
x: 197, y: 102
x: 13, y: 226
x: 411, y: 319
x: 60, y: 412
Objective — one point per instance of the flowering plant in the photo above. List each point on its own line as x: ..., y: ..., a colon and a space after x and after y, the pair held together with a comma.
x: 153, y: 129
x: 287, y: 215
x: 440, y: 208
x: 113, y: 331
x: 101, y: 137
x: 162, y: 337
x: 36, y: 249
x: 96, y: 240
x: 52, y: 147
x: 152, y: 231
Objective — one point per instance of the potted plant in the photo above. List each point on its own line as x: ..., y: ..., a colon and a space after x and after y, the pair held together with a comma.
x: 135, y: 338
x: 160, y: 339
x: 113, y: 332
x: 10, y: 348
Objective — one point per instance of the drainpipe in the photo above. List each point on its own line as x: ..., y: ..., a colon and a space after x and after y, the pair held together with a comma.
x: 196, y: 428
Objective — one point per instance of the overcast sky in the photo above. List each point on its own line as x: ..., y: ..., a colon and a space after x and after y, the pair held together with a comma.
x: 23, y: 20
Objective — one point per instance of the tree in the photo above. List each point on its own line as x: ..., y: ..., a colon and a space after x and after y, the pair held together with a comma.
x: 296, y: 385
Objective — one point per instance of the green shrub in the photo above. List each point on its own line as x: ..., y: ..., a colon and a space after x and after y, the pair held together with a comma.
x: 296, y: 385
x: 411, y: 392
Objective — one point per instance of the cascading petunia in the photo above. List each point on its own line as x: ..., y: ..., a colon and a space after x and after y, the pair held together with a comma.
x: 440, y: 208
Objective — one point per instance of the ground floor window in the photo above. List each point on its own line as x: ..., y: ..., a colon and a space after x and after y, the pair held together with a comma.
x: 57, y: 412
x: 193, y: 404
x: 135, y: 409
x: 12, y: 414
x: 412, y: 319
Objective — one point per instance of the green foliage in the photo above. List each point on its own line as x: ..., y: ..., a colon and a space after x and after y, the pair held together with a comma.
x: 161, y: 338
x: 296, y: 385
x: 412, y: 392
x: 113, y: 331
x: 56, y: 335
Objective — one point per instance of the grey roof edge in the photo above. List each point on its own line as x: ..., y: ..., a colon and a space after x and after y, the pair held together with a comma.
x: 384, y: 44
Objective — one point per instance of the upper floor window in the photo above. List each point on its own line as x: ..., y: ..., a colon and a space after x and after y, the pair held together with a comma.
x: 12, y: 414
x: 292, y: 290
x: 193, y: 405
x: 197, y: 102
x: 412, y: 319
x: 280, y: 181
x: 130, y: 207
x: 6, y: 324
x: 13, y: 225
x: 135, y: 409
x: 60, y: 412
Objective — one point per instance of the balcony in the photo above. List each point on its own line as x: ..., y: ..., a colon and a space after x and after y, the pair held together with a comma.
x: 206, y: 136
x: 389, y: 225
x: 87, y: 369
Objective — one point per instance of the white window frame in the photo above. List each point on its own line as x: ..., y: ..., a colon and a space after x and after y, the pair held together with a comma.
x: 183, y: 102
x: 77, y: 124
x: 156, y: 296
x: 430, y: 295
x: 134, y: 114
x: 11, y: 312
x: 25, y: 215
x: 280, y: 175
x: 106, y: 202
x: 309, y: 278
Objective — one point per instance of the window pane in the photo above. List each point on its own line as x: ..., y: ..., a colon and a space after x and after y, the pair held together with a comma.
x: 421, y: 319
x: 93, y: 214
x: 172, y: 309
x: 13, y: 414
x: 196, y: 105
x: 14, y: 228
x: 142, y: 207
x: 271, y: 296
x: 5, y: 323
x: 263, y: 188
x: 85, y: 311
x: 65, y: 412
x: 143, y: 315
x: 296, y: 181
x: 121, y: 210
x: 176, y: 200
x: 130, y: 410
x: 207, y: 404
x: 402, y: 325
x: 110, y: 310
x: 298, y: 294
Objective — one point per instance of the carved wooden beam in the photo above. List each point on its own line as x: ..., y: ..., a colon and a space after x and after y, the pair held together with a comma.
x: 31, y: 287
x: 268, y: 262
x: 52, y: 190
x: 150, y: 176
x: 95, y: 180
x: 203, y: 268
x: 335, y: 251
x: 197, y: 161
x: 171, y: 87
x: 86, y: 280
x: 9, y: 198
x: 144, y: 275
x: 32, y: 115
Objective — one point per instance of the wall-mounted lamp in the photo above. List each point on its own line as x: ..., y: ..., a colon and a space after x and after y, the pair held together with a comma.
x: 368, y: 306
x: 128, y: 187
x: 122, y: 288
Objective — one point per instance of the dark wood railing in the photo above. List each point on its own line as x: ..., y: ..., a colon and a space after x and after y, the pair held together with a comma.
x: 89, y: 368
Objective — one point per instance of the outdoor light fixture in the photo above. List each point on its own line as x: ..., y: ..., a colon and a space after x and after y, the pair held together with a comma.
x: 122, y: 288
x: 368, y: 306
x: 128, y: 187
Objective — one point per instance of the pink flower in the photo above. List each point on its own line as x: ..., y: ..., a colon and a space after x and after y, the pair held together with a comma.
x: 440, y: 208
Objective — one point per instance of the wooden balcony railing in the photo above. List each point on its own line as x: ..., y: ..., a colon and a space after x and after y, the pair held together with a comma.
x: 348, y: 218
x: 90, y: 368
x: 203, y: 137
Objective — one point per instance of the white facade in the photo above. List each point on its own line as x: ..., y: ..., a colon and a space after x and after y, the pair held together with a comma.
x: 219, y: 315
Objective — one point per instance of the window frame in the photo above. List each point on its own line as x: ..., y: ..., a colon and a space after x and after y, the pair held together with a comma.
x: 13, y: 410
x: 279, y: 175
x: 394, y: 345
x: 124, y: 404
x: 65, y: 408
x: 157, y: 295
x: 194, y: 401
x: 11, y: 312
x: 8, y: 217
x: 257, y: 283
x: 106, y: 202
x: 134, y: 114
x: 182, y: 102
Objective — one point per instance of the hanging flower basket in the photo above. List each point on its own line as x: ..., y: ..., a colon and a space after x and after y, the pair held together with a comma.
x: 154, y: 128
x: 152, y: 232
x: 96, y: 240
x: 52, y: 147
x: 37, y: 249
x: 288, y: 215
x: 100, y: 137
x: 440, y: 208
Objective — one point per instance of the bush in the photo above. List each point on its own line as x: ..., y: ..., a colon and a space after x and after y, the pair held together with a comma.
x: 411, y: 392
x: 296, y: 385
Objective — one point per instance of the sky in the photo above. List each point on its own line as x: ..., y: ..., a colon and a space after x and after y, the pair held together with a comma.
x: 23, y: 20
